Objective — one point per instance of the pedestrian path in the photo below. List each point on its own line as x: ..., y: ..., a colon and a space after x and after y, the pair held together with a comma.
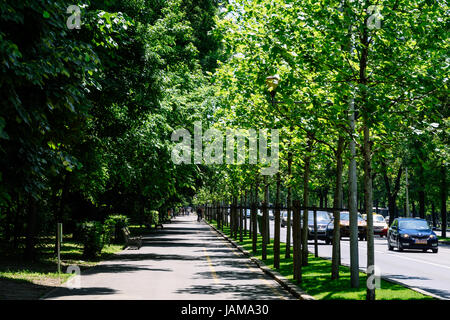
x: 186, y: 260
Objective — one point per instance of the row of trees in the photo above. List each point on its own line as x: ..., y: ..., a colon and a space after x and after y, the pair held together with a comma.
x: 87, y: 113
x: 350, y: 92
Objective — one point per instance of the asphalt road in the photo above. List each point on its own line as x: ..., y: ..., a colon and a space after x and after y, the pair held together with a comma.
x: 427, y: 271
x: 186, y: 260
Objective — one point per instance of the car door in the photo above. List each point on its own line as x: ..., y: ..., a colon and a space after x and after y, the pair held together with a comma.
x: 393, y: 233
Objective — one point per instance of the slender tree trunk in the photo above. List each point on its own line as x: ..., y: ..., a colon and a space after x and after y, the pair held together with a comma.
x: 31, y: 230
x: 264, y: 221
x: 336, y: 250
x: 297, y: 239
x: 368, y: 199
x: 433, y: 214
x: 276, y: 242
x: 306, y: 173
x: 353, y: 225
x: 444, y: 199
x: 245, y: 213
x: 241, y: 219
x: 289, y: 207
x: 254, y: 217
x: 422, y: 203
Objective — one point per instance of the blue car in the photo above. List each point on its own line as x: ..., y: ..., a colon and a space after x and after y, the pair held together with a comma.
x: 412, y: 233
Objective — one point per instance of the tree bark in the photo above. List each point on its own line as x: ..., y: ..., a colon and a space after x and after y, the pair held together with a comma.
x: 306, y: 173
x: 30, y: 241
x: 276, y: 241
x: 289, y: 207
x: 297, y: 239
x: 368, y: 199
x: 391, y: 194
x: 444, y: 199
x: 336, y: 250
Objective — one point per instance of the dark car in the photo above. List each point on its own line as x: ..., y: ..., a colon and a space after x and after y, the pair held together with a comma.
x: 323, y: 220
x: 412, y: 233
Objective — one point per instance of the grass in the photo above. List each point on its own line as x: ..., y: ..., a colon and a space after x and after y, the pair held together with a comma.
x: 20, y: 279
x: 316, y: 277
x: 446, y: 239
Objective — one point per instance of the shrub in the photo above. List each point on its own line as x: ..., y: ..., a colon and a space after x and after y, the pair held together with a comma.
x: 92, y: 237
x: 151, y: 217
x: 113, y: 228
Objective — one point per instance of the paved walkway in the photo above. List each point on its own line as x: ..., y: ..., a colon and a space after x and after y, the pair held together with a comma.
x: 186, y: 260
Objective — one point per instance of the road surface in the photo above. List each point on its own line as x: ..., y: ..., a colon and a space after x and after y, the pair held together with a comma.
x: 186, y: 260
x: 424, y: 270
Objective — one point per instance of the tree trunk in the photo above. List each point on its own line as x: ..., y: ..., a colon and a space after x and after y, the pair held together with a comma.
x: 276, y: 241
x: 306, y: 173
x: 336, y: 250
x: 444, y: 200
x: 297, y: 239
x: 245, y: 213
x: 254, y: 217
x: 353, y: 205
x: 30, y: 241
x: 264, y: 221
x: 368, y: 199
x: 422, y: 203
x: 289, y: 207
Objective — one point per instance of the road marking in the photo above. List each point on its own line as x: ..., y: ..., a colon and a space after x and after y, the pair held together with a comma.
x: 403, y: 257
x: 213, y: 271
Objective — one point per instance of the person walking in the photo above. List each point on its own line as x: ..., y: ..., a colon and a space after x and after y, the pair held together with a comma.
x: 199, y: 214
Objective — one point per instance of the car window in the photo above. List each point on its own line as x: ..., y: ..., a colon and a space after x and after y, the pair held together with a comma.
x: 414, y: 224
x: 378, y: 218
x: 322, y: 216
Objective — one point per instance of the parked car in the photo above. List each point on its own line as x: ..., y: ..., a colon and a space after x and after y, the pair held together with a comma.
x: 344, y: 225
x: 412, y: 233
x: 380, y: 225
x: 284, y: 218
x: 323, y: 221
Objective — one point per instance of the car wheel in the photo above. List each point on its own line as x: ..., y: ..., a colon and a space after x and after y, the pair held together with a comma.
x: 424, y: 250
x: 434, y: 250
x: 390, y: 247
x: 400, y: 247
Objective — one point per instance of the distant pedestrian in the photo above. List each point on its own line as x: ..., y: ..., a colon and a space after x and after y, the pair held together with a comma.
x: 199, y: 214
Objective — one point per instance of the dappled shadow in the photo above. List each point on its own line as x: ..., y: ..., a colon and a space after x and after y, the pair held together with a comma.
x: 241, y: 292
x: 238, y: 274
x: 66, y: 292
x: 18, y: 289
x: 116, y: 268
x: 152, y: 256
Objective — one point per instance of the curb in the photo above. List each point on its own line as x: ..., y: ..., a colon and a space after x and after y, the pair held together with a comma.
x: 285, y: 283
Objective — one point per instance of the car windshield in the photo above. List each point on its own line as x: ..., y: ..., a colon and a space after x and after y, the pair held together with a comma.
x: 414, y: 224
x: 322, y: 216
x: 345, y: 216
x: 377, y: 218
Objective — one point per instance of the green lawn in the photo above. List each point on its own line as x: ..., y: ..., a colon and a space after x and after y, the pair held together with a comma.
x: 446, y: 239
x: 316, y: 277
x: 29, y: 280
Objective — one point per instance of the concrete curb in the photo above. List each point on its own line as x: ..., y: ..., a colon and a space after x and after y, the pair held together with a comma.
x: 285, y: 283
